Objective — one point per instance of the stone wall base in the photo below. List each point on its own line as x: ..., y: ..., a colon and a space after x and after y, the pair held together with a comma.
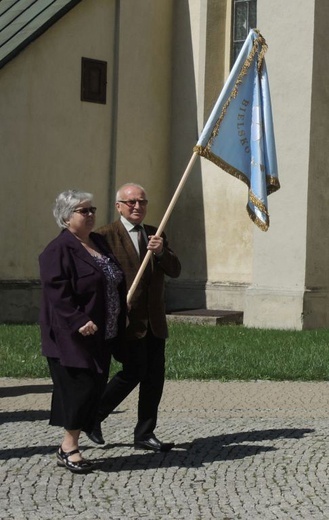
x: 200, y: 294
x: 270, y: 308
x: 262, y: 307
x: 19, y: 301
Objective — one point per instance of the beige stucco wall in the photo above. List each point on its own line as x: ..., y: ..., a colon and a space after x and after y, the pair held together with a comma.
x: 167, y: 63
x: 144, y: 100
x: 212, y: 231
x: 227, y: 225
x: 290, y: 267
x: 50, y: 140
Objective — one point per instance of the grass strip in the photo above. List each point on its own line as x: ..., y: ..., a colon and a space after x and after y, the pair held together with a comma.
x: 200, y: 352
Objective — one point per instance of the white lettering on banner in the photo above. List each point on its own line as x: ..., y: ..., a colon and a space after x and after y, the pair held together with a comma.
x: 240, y: 126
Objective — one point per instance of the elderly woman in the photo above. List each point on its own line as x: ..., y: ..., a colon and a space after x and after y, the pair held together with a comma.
x: 82, y: 317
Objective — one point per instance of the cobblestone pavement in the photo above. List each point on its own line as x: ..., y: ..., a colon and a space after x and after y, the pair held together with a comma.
x: 244, y: 450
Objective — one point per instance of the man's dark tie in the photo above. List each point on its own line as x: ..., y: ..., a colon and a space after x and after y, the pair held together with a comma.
x: 143, y: 249
x: 141, y: 242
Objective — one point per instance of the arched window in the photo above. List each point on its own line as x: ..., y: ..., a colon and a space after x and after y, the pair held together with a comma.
x: 244, y: 18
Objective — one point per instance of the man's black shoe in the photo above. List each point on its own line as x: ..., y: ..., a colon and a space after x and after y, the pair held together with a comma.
x: 96, y: 434
x: 153, y: 444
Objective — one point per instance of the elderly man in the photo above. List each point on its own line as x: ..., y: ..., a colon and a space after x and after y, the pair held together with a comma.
x: 147, y: 330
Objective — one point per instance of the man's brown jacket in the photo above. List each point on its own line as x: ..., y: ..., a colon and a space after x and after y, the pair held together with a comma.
x: 147, y: 304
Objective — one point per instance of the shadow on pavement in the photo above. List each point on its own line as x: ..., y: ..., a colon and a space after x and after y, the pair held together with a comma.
x: 189, y: 455
x: 24, y: 415
x: 14, y: 391
x: 30, y: 415
x: 255, y: 435
x: 201, y: 451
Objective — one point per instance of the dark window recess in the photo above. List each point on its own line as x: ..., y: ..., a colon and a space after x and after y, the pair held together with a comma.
x: 93, y: 80
x: 244, y: 18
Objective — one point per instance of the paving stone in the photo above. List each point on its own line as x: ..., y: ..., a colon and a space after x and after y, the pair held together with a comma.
x: 243, y: 450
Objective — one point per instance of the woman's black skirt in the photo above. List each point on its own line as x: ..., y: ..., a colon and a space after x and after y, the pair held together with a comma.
x: 76, y: 395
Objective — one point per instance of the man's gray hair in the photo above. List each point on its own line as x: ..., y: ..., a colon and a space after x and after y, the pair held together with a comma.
x: 126, y: 185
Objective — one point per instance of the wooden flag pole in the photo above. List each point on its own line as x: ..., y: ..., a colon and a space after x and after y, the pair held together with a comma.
x: 162, y: 224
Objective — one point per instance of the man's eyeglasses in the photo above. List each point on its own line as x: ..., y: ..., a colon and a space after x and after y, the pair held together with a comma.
x: 85, y: 211
x: 132, y: 202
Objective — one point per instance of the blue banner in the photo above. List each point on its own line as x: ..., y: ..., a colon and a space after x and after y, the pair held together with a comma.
x: 239, y: 134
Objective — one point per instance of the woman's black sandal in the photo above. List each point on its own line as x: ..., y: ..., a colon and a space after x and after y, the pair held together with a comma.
x: 81, y: 466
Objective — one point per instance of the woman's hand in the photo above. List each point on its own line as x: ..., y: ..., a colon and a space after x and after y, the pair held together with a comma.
x: 89, y: 329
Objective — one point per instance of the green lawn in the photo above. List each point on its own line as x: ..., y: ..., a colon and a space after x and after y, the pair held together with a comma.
x: 230, y: 352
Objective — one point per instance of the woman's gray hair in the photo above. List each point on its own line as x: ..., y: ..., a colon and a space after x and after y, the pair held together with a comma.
x: 65, y: 204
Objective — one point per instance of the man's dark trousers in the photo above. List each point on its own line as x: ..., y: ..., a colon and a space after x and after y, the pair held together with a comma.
x: 145, y: 365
